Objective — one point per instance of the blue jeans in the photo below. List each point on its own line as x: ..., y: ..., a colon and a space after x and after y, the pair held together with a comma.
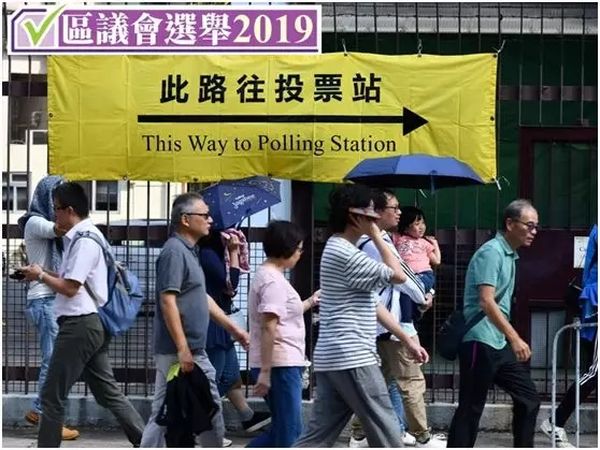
x: 227, y: 367
x: 396, y: 399
x: 285, y: 403
x: 41, y: 314
x: 427, y: 278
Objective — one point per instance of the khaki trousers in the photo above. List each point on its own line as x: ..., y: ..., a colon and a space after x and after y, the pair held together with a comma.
x: 398, y: 366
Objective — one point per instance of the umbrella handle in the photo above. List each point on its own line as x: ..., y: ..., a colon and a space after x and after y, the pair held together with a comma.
x: 244, y: 217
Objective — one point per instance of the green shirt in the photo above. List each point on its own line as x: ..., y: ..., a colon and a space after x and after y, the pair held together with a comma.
x: 493, y: 265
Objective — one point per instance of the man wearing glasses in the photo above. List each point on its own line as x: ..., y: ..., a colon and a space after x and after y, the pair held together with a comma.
x: 402, y: 374
x: 182, y: 313
x: 81, y: 346
x: 492, y: 351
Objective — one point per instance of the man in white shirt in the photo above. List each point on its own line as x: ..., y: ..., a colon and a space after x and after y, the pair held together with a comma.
x: 398, y: 365
x: 43, y: 247
x: 81, y: 346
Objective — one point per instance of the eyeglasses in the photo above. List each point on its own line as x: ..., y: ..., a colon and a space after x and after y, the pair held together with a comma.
x: 530, y: 225
x: 205, y: 215
x: 395, y: 208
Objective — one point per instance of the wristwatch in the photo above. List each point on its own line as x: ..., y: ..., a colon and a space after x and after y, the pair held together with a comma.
x: 41, y: 277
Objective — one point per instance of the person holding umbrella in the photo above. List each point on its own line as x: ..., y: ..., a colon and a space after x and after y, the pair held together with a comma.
x: 220, y: 254
x: 221, y: 284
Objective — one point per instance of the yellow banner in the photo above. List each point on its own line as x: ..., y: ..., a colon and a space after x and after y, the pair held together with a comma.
x: 312, y: 118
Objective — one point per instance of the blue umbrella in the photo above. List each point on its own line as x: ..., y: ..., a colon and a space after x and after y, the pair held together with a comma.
x: 231, y: 201
x: 414, y: 171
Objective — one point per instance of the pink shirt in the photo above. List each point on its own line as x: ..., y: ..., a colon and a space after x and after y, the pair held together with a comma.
x: 270, y: 292
x: 414, y: 251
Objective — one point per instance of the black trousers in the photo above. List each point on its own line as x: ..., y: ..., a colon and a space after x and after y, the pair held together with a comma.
x: 481, y: 366
x: 587, y: 384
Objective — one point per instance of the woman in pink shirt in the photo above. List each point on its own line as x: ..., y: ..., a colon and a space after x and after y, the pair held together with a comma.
x: 420, y: 252
x: 277, y: 334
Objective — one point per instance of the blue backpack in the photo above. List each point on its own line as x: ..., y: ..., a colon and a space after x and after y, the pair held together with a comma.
x: 125, y: 295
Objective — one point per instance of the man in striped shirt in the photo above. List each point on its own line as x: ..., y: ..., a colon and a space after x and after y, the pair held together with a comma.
x: 345, y: 358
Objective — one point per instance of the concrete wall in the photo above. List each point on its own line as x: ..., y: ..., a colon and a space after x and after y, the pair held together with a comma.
x: 84, y: 411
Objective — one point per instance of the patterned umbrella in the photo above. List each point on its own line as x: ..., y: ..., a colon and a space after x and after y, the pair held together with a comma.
x: 232, y: 201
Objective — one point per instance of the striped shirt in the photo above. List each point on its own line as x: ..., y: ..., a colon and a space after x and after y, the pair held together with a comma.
x: 348, y: 322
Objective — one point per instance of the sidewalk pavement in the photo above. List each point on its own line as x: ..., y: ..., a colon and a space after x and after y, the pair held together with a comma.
x: 114, y: 438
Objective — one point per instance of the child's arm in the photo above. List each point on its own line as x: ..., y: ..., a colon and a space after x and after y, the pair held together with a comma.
x: 435, y: 256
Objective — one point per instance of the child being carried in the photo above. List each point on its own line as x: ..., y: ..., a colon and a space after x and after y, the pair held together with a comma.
x: 420, y: 252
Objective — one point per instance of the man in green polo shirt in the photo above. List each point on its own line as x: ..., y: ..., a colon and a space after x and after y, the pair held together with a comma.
x: 492, y: 352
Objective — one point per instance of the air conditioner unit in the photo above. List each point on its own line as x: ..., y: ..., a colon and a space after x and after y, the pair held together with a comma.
x: 38, y: 137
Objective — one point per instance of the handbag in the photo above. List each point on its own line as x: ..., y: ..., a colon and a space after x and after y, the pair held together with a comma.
x: 452, y: 332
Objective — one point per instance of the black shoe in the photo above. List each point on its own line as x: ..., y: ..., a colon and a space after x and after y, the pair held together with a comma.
x: 258, y: 421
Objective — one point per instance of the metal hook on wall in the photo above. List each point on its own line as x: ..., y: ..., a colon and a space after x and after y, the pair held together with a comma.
x: 501, y: 47
x: 498, y: 180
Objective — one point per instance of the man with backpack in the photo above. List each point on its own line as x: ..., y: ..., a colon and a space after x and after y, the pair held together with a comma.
x: 81, y: 346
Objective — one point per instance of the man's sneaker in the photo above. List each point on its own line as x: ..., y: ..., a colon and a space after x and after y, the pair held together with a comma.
x: 358, y: 443
x: 409, y: 440
x: 560, y: 435
x: 227, y: 442
x: 435, y: 441
x: 259, y: 420
x: 69, y: 434
x: 32, y: 417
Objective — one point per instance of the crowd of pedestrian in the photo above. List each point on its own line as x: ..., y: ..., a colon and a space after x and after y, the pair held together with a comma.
x: 376, y: 281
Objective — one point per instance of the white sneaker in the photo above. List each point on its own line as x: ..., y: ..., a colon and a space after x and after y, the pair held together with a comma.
x: 560, y: 435
x: 227, y: 442
x: 408, y: 439
x: 358, y: 443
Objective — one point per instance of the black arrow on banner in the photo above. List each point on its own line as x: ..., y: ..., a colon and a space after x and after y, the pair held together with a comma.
x: 410, y: 121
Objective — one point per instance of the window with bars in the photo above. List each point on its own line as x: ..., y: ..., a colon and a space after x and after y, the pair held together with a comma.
x: 14, y: 191
x: 103, y: 195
